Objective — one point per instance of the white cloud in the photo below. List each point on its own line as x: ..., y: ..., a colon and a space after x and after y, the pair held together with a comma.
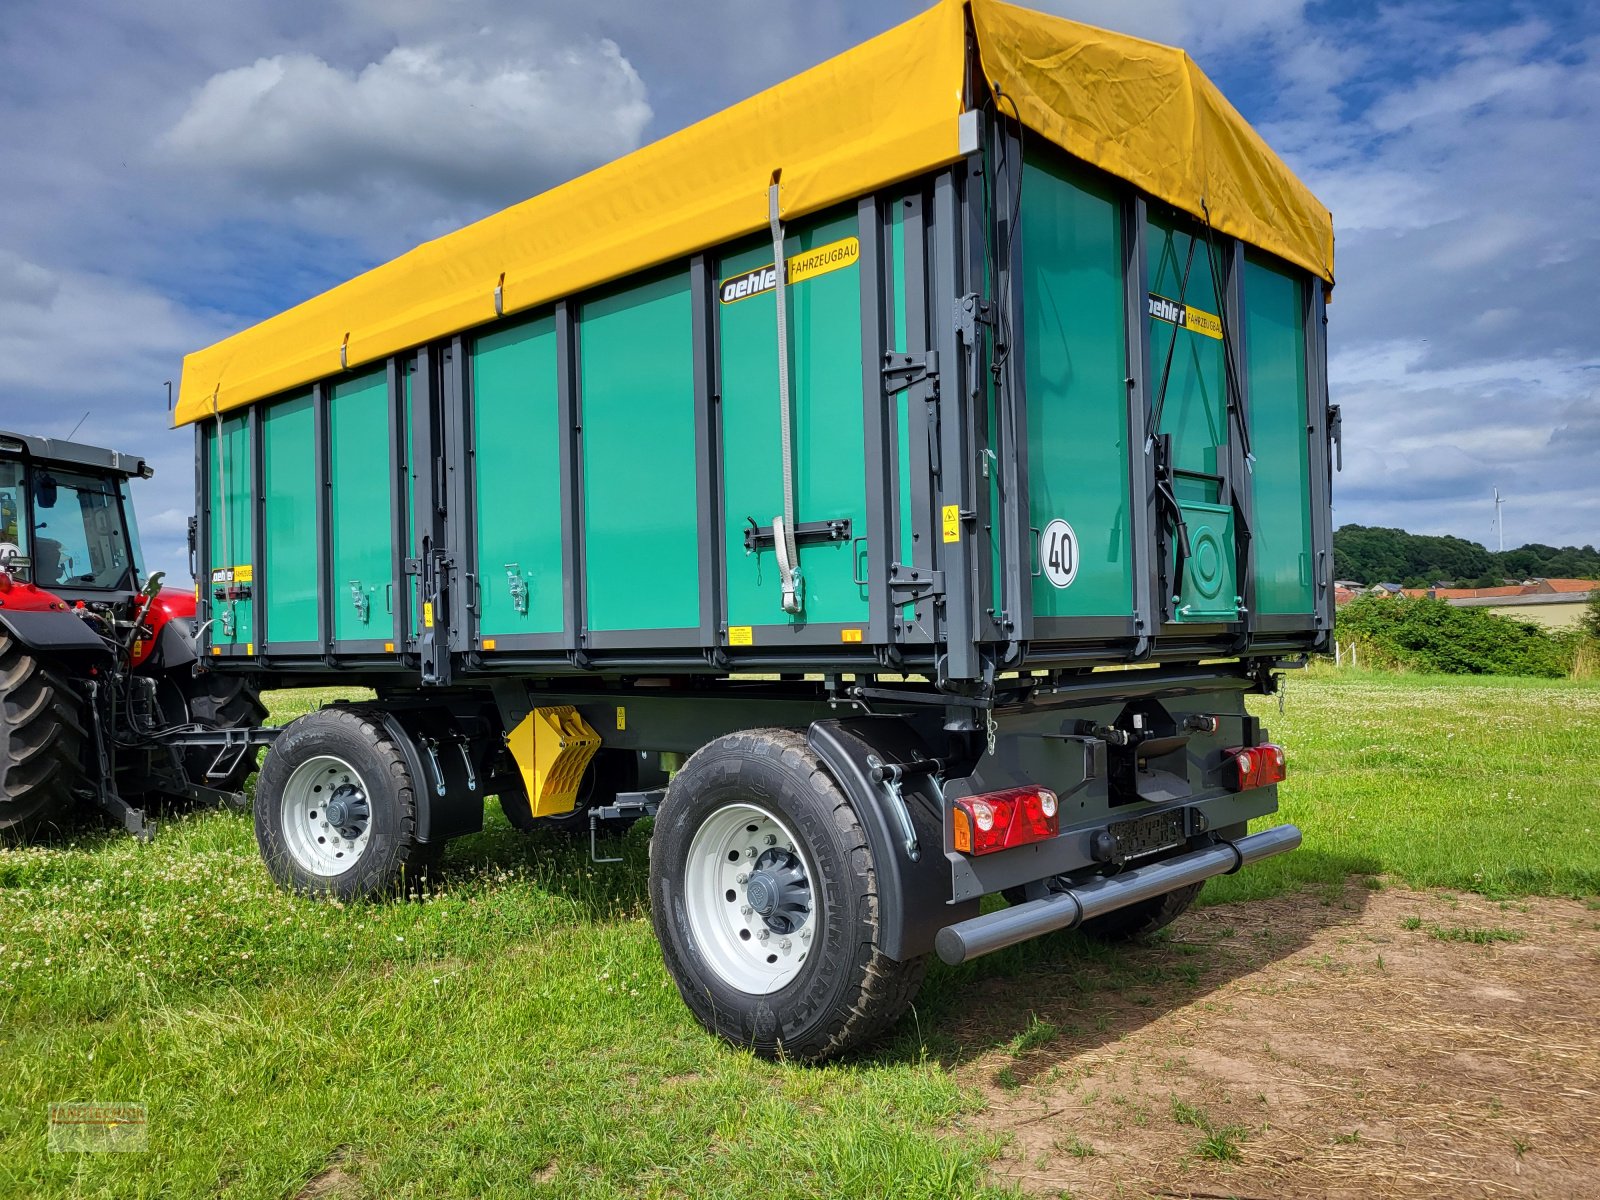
x: 474, y: 118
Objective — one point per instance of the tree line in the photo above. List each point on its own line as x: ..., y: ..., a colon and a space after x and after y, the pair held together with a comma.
x: 1370, y: 554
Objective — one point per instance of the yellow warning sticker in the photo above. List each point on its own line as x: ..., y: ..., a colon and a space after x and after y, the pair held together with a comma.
x: 488, y: 643
x: 952, y: 522
x: 622, y: 717
x: 741, y: 635
x: 849, y: 635
x: 427, y: 614
x: 244, y: 574
x: 249, y: 647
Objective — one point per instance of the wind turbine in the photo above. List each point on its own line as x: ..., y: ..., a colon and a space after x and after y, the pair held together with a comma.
x: 1499, y: 523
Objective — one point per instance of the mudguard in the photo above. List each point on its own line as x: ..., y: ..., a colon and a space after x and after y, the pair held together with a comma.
x: 913, y: 897
x: 52, y: 632
x: 450, y: 790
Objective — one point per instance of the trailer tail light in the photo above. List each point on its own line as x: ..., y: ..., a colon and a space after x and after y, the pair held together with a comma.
x: 1001, y: 820
x: 1255, y: 766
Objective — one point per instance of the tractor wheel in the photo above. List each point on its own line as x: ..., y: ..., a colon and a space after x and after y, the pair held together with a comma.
x: 1143, y: 918
x: 43, y: 740
x: 220, y: 702
x: 336, y: 812
x: 764, y: 896
x: 609, y: 772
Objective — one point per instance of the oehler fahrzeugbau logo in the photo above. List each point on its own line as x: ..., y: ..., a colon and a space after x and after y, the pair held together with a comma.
x: 1186, y: 316
x: 808, y: 264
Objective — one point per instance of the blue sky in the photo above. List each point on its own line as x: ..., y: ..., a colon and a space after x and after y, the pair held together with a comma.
x: 177, y: 169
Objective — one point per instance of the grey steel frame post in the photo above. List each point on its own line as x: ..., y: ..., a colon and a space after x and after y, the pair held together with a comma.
x: 460, y: 573
x: 707, y: 453
x: 569, y: 372
x: 1149, y: 605
x: 1319, y: 458
x: 322, y: 452
x: 1241, y: 478
x: 400, y: 458
x: 256, y: 510
x: 962, y: 661
x: 202, y: 530
x: 882, y: 475
x: 922, y: 421
x: 1012, y: 402
x: 981, y: 401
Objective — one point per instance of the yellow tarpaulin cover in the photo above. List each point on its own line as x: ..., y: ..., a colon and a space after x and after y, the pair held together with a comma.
x: 884, y: 111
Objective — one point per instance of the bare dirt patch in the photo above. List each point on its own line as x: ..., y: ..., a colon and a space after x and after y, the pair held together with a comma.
x: 1375, y: 1044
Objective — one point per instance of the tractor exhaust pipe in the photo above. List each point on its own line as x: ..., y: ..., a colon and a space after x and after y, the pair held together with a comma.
x: 1095, y: 897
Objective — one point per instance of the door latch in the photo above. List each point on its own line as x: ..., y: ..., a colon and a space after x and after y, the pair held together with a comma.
x: 518, y: 587
x: 361, y: 601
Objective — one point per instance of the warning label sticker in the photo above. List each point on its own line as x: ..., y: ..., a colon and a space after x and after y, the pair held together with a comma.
x: 1186, y: 316
x: 808, y: 264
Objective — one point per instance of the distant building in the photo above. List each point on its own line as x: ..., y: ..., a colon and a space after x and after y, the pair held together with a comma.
x: 1553, y: 603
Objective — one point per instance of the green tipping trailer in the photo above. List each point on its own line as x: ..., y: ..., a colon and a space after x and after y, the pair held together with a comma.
x: 933, y: 565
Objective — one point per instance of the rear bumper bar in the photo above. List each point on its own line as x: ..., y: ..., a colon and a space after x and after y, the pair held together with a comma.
x: 1096, y: 897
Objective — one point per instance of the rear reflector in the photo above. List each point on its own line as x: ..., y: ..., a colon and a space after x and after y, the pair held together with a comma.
x: 1254, y: 766
x: 1001, y: 820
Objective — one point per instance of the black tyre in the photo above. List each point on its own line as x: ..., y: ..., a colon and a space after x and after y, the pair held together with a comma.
x: 220, y: 702
x: 609, y: 772
x: 335, y: 809
x: 1143, y: 918
x: 43, y: 741
x: 764, y: 897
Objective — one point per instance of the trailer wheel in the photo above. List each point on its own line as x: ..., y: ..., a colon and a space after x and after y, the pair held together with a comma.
x: 764, y: 897
x: 335, y: 809
x: 42, y: 741
x: 1143, y: 918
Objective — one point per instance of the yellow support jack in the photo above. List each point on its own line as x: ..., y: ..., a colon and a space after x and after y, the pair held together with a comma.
x: 552, y: 748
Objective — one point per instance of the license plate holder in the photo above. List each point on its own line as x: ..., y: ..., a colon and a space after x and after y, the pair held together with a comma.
x: 1141, y: 836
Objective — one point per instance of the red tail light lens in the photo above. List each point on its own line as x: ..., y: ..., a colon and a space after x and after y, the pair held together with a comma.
x: 1255, y: 766
x: 1001, y: 820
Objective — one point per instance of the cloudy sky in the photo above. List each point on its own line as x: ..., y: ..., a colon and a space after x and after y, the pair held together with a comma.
x: 175, y: 170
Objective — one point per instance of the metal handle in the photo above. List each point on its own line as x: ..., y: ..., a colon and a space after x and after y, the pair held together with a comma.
x: 388, y: 597
x: 472, y: 593
x: 1033, y: 546
x: 854, y: 559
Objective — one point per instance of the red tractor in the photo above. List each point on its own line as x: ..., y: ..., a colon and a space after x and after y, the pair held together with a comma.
x: 103, y: 697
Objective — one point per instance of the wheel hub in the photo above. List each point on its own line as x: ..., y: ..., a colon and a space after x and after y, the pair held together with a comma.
x: 779, y: 891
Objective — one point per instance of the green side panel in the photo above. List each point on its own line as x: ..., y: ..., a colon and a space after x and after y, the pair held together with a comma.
x: 1194, y: 410
x: 517, y: 434
x: 1210, y: 584
x: 1275, y: 346
x: 641, y: 535
x: 1075, y: 346
x: 1188, y: 389
x: 363, y: 530
x: 827, y: 431
x: 289, y: 576
x: 230, y: 500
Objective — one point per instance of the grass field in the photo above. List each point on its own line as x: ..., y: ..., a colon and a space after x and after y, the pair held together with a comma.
x: 517, y: 1035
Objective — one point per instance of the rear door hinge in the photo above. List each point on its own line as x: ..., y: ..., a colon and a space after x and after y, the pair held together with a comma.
x: 918, y: 372
x: 910, y: 584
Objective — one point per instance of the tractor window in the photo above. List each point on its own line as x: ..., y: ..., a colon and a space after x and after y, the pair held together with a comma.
x: 13, y: 510
x: 79, y: 540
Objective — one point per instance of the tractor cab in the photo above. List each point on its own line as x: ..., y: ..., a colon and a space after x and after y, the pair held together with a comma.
x: 66, y: 520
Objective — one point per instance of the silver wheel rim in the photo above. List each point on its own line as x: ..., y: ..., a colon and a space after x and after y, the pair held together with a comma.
x: 750, y: 900
x: 327, y: 816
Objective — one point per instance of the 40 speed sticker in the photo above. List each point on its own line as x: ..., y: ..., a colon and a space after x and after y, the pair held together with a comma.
x: 1058, y: 553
